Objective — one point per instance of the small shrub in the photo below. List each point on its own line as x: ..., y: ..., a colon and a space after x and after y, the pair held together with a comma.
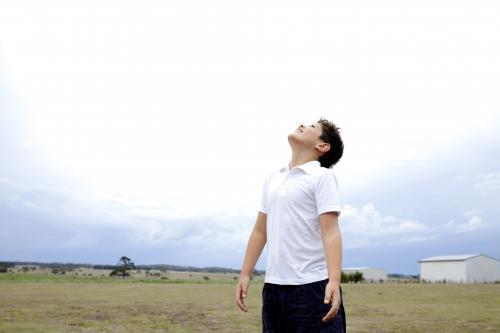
x: 58, y: 271
x: 206, y: 278
x: 357, y: 277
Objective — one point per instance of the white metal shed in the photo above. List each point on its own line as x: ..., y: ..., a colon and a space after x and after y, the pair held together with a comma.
x: 468, y: 268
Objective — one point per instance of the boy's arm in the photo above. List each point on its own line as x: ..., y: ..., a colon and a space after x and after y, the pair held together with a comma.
x: 256, y: 243
x: 332, y: 243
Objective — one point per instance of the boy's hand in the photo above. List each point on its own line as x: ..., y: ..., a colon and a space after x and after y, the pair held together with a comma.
x: 241, y: 292
x: 332, y: 296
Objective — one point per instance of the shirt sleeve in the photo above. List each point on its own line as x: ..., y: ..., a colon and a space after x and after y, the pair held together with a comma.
x: 327, y: 195
x: 263, y: 197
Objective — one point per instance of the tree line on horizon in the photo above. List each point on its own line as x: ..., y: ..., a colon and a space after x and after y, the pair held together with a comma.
x: 161, y: 267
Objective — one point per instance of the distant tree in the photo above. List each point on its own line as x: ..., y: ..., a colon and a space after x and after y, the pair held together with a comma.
x: 344, y: 278
x: 122, y: 267
x: 357, y: 277
x: 351, y: 277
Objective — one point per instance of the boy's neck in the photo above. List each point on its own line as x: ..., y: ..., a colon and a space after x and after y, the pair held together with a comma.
x: 301, y: 157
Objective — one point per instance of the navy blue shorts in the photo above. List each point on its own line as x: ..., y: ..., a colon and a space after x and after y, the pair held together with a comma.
x: 299, y: 309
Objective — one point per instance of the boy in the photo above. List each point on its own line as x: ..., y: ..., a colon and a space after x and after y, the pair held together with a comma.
x: 298, y: 219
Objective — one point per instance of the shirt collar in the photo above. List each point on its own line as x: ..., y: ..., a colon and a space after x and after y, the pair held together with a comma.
x: 308, y: 167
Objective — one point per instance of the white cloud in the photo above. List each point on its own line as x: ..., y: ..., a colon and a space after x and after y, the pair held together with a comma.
x: 5, y: 180
x: 488, y: 181
x: 474, y: 222
x: 367, y: 227
x: 91, y: 217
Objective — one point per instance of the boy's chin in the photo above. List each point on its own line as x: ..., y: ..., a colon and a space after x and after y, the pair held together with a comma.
x: 294, y: 138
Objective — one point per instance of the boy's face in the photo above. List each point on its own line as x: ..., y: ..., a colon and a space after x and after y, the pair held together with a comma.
x: 306, y: 135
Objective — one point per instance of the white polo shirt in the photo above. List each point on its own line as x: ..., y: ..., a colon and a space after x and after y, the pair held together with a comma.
x: 293, y: 200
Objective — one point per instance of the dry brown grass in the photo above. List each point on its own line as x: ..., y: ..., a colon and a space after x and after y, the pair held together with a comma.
x: 83, y: 305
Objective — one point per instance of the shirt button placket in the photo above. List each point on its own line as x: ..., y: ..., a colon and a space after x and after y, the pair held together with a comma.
x: 283, y: 187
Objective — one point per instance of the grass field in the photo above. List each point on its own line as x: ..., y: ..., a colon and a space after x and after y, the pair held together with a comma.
x: 47, y: 303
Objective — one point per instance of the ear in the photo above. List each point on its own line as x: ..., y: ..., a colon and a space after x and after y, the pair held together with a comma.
x: 323, y: 147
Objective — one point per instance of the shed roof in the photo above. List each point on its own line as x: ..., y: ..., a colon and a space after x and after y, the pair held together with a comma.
x: 456, y: 257
x: 356, y: 268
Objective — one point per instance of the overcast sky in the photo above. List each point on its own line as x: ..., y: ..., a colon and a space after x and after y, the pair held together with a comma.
x: 146, y: 129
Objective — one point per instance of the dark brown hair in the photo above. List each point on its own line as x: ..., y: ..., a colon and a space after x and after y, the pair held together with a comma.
x: 330, y: 134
